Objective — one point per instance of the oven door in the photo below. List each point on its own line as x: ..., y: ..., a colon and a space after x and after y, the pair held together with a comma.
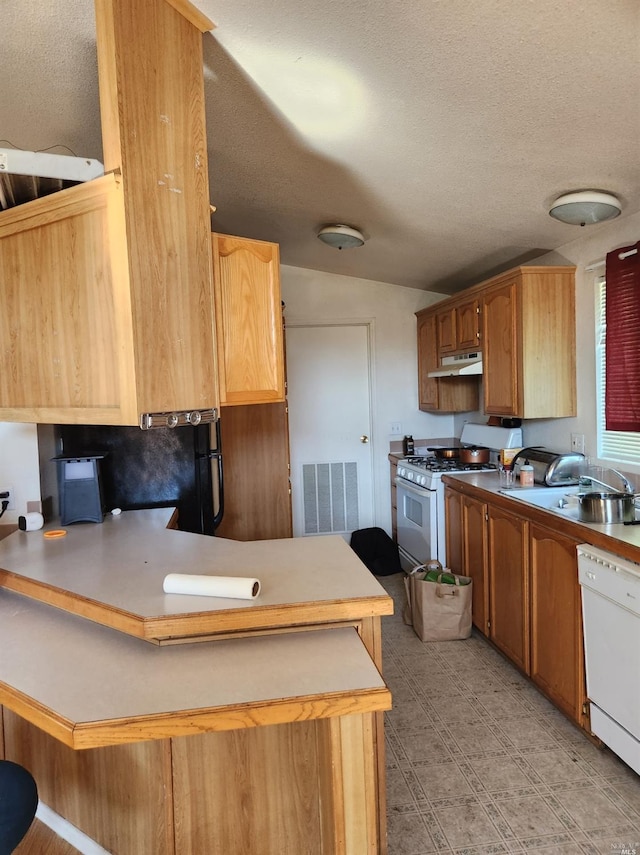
x: 417, y: 523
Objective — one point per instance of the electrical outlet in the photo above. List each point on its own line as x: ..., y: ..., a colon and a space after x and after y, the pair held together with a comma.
x: 3, y: 493
x: 396, y: 428
x: 577, y: 442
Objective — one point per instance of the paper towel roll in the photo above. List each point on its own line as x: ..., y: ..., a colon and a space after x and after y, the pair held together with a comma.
x: 235, y: 587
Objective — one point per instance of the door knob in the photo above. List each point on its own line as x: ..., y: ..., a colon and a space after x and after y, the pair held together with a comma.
x: 364, y: 438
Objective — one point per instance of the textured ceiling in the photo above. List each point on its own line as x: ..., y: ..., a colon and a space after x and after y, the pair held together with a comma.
x: 442, y: 129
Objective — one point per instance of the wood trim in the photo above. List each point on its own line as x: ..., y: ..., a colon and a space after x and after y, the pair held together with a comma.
x: 71, y: 202
x: 193, y: 15
x: 37, y: 714
x: 500, y: 279
x: 191, y: 722
x: 371, y: 633
x: 197, y: 623
x: 99, y: 734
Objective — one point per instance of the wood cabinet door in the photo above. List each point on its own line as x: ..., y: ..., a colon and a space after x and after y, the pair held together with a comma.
x: 453, y: 528
x: 508, y: 585
x: 257, y: 489
x: 446, y: 320
x: 557, y: 656
x: 467, y: 325
x: 249, y: 327
x: 474, y: 559
x: 427, y: 361
x: 500, y: 351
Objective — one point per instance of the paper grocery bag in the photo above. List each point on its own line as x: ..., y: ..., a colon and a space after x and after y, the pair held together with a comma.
x: 437, y: 611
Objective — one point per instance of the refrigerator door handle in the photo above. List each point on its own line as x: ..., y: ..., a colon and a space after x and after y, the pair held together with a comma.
x: 217, y: 517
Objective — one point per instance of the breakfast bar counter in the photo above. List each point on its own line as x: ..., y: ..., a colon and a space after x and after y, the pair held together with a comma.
x: 244, y: 726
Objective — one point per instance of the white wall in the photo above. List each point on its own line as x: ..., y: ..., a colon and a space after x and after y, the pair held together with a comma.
x: 19, y: 466
x: 591, y: 245
x: 312, y: 296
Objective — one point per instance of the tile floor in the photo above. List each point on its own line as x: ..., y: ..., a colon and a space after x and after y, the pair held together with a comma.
x: 480, y: 763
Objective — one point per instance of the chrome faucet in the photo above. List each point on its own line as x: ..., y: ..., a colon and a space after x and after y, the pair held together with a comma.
x: 628, y: 487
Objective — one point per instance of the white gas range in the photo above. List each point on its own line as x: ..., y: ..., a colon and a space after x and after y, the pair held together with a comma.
x: 420, y: 492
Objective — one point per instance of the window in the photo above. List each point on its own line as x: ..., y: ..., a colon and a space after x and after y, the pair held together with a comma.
x: 616, y: 446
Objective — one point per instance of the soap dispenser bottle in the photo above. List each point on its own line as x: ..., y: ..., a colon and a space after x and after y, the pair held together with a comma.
x: 526, y: 474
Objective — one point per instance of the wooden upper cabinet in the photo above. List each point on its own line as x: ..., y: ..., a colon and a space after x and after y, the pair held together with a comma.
x: 523, y: 322
x: 443, y: 394
x: 447, y: 341
x: 249, y: 324
x: 468, y: 325
x: 106, y: 288
x: 500, y: 350
x: 528, y: 343
x: 427, y: 361
x: 458, y: 328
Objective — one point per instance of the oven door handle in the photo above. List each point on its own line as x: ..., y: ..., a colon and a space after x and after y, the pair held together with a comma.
x: 412, y: 488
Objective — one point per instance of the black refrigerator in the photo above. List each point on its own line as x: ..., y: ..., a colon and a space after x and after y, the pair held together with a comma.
x: 165, y: 467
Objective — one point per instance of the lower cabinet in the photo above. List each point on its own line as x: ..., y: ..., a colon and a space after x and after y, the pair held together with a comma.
x: 467, y: 549
x: 526, y: 595
x: 507, y: 573
x: 556, y: 620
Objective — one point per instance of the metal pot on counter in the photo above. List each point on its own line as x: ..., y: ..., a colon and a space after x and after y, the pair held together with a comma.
x: 607, y: 508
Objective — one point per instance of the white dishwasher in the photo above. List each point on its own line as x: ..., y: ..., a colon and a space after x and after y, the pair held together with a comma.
x: 611, y: 621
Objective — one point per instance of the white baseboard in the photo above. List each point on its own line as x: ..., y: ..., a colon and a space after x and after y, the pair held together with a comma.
x: 68, y: 832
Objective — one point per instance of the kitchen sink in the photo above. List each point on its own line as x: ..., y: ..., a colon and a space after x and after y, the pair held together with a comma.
x: 561, y: 499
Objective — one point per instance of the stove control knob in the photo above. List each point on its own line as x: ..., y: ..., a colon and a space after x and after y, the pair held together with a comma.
x: 423, y: 480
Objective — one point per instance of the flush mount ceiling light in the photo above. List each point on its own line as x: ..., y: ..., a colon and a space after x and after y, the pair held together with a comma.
x: 585, y: 208
x: 341, y: 237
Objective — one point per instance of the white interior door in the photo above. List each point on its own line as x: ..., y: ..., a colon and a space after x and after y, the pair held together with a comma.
x: 329, y: 396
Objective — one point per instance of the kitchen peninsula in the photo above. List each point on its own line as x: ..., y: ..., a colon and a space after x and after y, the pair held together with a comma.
x: 206, y: 725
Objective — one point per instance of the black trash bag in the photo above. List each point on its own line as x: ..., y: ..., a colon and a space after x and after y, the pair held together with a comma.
x: 377, y: 551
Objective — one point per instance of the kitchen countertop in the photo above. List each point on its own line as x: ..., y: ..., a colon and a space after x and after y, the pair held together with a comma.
x: 91, y: 686
x: 112, y: 573
x: 619, y: 539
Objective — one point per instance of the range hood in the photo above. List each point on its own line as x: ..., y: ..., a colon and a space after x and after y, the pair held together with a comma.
x: 29, y: 175
x: 463, y: 365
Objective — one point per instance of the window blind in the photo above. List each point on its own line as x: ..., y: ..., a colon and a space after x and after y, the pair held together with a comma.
x: 617, y: 446
x: 622, y: 340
